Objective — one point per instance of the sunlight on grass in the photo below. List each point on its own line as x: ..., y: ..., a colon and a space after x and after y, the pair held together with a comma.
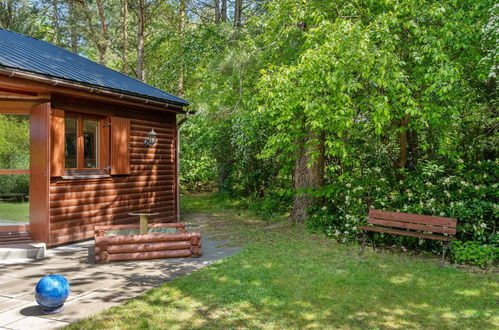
x: 402, y: 279
x: 474, y: 293
x: 286, y: 277
x: 14, y: 211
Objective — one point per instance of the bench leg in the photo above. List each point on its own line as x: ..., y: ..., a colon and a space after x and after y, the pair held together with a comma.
x: 371, y: 237
x: 364, y: 237
x: 445, y: 246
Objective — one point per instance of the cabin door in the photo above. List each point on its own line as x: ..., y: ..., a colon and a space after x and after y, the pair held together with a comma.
x: 24, y: 177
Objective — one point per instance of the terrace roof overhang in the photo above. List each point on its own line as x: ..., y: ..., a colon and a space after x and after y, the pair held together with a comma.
x: 73, y: 88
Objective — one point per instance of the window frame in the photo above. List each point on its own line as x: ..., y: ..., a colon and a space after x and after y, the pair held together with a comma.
x: 80, y: 155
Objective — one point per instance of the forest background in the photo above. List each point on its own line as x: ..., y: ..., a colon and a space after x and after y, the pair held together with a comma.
x: 313, y: 110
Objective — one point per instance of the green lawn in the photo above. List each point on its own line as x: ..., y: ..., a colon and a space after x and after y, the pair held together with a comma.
x: 14, y: 211
x: 286, y: 277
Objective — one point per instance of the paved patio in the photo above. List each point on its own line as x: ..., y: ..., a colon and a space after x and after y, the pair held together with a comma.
x: 93, y: 287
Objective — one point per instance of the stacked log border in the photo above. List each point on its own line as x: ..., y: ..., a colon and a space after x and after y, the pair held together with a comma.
x: 149, y: 246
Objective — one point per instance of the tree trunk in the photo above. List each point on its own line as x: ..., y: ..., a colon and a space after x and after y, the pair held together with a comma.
x: 308, y: 172
x: 125, y: 36
x: 140, y: 40
x: 216, y: 4
x: 181, y: 28
x: 403, y: 145
x: 412, y: 148
x: 55, y: 18
x: 223, y: 11
x: 102, y: 44
x: 238, y: 8
x: 73, y: 27
x: 98, y: 37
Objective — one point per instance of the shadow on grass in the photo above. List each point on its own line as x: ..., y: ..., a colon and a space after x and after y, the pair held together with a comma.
x: 300, y: 284
x: 287, y: 278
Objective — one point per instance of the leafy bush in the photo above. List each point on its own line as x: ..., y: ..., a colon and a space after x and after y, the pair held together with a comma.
x: 467, y: 192
x: 14, y: 184
x: 474, y: 253
x: 271, y: 206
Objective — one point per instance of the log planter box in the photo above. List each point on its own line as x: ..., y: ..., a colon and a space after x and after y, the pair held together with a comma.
x: 153, y: 245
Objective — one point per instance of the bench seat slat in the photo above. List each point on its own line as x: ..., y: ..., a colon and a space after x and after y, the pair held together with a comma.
x: 405, y: 233
x: 414, y: 218
x: 414, y: 226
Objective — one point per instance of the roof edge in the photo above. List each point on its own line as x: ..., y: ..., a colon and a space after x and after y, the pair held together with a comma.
x: 89, y: 88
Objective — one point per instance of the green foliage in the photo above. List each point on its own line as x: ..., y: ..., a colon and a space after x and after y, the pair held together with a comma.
x: 14, y: 153
x: 198, y: 170
x: 14, y: 141
x: 475, y: 253
x: 470, y: 194
x: 22, y: 16
x: 287, y: 278
x: 14, y: 184
x: 361, y: 73
x: 363, y: 76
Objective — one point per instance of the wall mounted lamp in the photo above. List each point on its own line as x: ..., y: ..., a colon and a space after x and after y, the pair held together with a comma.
x: 151, y: 138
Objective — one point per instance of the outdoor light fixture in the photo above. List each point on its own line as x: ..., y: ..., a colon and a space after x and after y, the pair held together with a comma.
x: 151, y: 139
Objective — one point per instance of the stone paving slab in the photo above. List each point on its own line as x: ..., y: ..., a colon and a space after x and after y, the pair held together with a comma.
x: 14, y: 313
x: 94, y: 302
x: 9, y: 304
x: 94, y: 287
x: 14, y: 287
x: 31, y: 322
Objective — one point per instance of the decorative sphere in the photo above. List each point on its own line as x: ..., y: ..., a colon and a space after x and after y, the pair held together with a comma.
x: 51, y: 292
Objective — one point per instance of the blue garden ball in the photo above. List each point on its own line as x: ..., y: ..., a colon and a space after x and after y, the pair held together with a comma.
x: 51, y: 293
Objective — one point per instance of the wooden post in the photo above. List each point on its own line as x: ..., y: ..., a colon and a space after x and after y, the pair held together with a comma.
x: 143, y: 224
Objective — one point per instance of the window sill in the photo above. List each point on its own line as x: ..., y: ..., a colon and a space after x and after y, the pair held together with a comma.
x: 85, y: 177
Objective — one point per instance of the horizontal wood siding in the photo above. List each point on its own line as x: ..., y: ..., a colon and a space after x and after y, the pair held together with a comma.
x: 76, y: 206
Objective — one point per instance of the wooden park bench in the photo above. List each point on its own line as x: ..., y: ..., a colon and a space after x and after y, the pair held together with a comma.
x: 414, y: 225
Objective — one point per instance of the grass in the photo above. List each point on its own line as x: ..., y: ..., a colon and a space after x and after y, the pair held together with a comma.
x: 285, y: 277
x: 14, y: 211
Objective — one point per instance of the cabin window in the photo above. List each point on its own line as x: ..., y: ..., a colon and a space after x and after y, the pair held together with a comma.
x: 71, y: 142
x: 90, y: 143
x: 81, y: 143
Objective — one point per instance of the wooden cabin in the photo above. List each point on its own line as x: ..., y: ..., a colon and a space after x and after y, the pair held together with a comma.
x: 91, y: 157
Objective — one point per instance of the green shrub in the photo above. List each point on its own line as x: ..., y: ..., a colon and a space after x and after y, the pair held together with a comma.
x: 271, y: 206
x: 14, y: 184
x: 474, y: 253
x: 467, y: 192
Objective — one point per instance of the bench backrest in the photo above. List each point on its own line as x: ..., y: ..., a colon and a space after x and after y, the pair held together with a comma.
x: 413, y: 221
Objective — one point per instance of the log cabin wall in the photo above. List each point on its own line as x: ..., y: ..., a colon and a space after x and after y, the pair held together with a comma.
x: 76, y: 206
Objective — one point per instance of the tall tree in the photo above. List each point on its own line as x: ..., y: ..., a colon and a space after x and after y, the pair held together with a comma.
x: 73, y: 27
x: 20, y: 16
x: 216, y: 4
x: 97, y: 32
x: 181, y: 30
x: 308, y: 170
x: 238, y: 11
x: 124, y: 56
x: 103, y: 42
x: 141, y: 16
x: 55, y: 22
x: 223, y: 11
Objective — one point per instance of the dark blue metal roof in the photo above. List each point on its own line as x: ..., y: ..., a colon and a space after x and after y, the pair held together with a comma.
x: 28, y: 54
